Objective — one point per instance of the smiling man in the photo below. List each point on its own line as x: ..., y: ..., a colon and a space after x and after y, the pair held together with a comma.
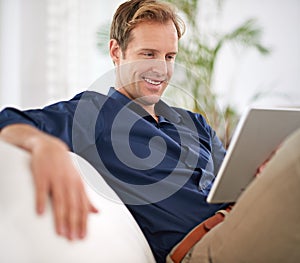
x: 146, y: 65
x: 160, y: 160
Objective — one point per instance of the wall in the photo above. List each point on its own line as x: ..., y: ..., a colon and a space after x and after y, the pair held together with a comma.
x: 25, y: 49
x: 9, y: 52
x: 42, y: 61
x: 243, y: 73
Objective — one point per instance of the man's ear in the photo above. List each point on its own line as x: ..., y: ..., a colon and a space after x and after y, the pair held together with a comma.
x: 115, y: 51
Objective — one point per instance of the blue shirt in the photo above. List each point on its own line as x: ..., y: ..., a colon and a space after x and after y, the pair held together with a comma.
x: 162, y: 170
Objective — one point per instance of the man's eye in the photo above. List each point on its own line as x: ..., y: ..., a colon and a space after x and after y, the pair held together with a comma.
x: 170, y: 57
x: 148, y: 54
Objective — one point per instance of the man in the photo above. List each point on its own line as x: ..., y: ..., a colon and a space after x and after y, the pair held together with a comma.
x: 160, y: 160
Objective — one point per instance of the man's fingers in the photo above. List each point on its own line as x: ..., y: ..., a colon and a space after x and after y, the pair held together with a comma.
x: 55, y: 176
x: 80, y: 208
x: 77, y: 212
x: 92, y: 208
x: 41, y: 193
x: 71, y: 208
x: 83, y: 220
x: 60, y: 213
x: 62, y: 182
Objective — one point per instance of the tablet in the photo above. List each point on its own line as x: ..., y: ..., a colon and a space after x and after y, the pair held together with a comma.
x: 258, y: 133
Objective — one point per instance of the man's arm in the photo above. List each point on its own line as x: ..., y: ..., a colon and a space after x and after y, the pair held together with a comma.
x: 54, y: 175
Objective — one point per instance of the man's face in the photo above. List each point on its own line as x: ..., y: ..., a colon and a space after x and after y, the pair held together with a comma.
x: 143, y: 71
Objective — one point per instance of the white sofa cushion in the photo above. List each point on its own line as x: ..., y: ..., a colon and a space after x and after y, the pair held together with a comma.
x: 113, y: 234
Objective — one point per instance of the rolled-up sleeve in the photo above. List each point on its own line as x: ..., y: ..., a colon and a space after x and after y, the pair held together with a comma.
x: 12, y: 116
x: 218, y: 151
x: 55, y: 119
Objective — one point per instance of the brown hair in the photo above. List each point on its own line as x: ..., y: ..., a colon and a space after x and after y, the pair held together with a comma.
x: 132, y: 12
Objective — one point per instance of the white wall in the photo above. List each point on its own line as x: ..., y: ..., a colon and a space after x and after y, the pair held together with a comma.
x: 24, y: 43
x: 242, y: 74
x: 9, y: 52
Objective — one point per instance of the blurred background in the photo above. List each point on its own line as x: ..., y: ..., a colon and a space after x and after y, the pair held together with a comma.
x: 49, y: 50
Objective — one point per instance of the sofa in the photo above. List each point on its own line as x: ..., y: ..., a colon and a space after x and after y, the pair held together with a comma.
x: 113, y: 235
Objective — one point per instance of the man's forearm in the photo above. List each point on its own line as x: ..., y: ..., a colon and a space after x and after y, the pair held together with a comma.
x: 28, y: 137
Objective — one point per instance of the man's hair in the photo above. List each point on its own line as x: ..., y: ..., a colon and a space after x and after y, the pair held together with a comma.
x: 133, y: 12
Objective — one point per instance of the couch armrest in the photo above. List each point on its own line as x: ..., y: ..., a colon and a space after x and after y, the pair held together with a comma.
x: 113, y: 235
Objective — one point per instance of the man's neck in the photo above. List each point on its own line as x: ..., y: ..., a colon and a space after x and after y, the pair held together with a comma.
x: 150, y: 108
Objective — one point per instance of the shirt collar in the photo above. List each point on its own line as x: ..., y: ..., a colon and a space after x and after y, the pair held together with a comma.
x: 161, y: 108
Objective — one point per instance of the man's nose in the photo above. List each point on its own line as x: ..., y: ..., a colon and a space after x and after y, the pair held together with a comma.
x: 160, y: 66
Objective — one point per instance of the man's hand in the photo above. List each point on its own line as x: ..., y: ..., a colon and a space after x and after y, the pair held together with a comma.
x: 264, y: 164
x: 54, y: 175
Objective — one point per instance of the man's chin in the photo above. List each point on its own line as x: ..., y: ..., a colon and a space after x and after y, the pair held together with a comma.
x: 148, y: 100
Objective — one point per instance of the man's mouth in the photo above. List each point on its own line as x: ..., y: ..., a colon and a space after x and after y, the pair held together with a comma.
x: 153, y: 82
